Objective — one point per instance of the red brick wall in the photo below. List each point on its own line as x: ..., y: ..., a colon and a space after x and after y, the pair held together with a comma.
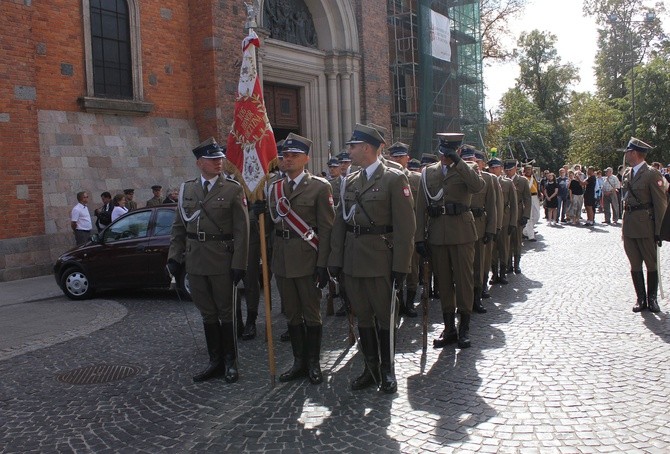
x: 376, y: 80
x: 23, y: 213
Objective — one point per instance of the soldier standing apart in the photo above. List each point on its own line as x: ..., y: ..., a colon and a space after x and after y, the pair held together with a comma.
x: 446, y: 232
x: 372, y: 245
x: 157, y: 199
x: 644, y: 206
x: 523, y: 213
x: 210, y: 235
x: 301, y: 207
x: 130, y: 203
x: 534, y: 187
x: 509, y: 223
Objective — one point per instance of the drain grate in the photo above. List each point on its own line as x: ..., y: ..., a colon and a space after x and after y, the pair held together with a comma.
x: 94, y: 375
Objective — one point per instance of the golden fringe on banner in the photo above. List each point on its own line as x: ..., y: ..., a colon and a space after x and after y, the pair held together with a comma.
x: 259, y: 193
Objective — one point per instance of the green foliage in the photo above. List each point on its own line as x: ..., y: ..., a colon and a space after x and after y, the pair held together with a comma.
x: 594, y: 139
x: 652, y: 86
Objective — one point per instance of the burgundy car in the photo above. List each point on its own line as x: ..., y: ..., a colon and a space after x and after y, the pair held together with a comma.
x: 130, y: 253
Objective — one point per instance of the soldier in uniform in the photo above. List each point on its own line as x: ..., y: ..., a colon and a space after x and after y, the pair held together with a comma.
x: 446, y: 232
x: 399, y: 153
x: 345, y: 166
x: 301, y: 208
x: 483, y: 208
x: 372, y: 245
x: 130, y: 203
x: 645, y: 203
x: 509, y: 207
x: 523, y: 213
x: 157, y: 199
x: 491, y: 246
x: 334, y: 170
x: 210, y: 236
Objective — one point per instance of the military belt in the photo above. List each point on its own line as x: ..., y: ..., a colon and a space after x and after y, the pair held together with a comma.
x: 478, y: 212
x: 202, y: 236
x: 453, y: 209
x: 376, y: 230
x: 287, y: 234
x: 643, y: 206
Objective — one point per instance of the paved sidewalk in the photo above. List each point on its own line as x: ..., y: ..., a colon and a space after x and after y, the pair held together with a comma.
x: 559, y: 364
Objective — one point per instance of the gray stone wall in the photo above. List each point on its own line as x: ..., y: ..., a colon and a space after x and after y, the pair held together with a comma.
x: 96, y: 153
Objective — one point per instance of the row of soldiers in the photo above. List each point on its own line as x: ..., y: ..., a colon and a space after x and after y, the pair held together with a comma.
x: 367, y: 230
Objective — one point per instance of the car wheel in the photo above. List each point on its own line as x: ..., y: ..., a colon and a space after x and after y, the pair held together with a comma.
x: 76, y: 285
x: 185, y: 286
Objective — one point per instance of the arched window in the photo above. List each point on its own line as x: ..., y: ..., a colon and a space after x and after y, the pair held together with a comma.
x: 110, y: 49
x: 113, y: 53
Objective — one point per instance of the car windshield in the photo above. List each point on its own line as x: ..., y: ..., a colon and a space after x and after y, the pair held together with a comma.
x: 133, y: 225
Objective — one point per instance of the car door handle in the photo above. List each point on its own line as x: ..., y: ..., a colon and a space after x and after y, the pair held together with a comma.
x: 149, y: 249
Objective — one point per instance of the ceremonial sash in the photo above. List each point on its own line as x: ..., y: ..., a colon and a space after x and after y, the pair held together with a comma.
x: 291, y: 217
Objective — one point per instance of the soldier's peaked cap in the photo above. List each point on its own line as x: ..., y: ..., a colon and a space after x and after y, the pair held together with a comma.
x: 413, y: 164
x: 638, y: 145
x: 428, y: 158
x: 467, y: 152
x: 297, y: 144
x: 510, y: 164
x: 495, y: 162
x: 209, y: 149
x: 382, y: 130
x: 333, y: 162
x: 449, y: 141
x: 366, y: 134
x: 129, y: 191
x: 344, y: 157
x: 399, y: 149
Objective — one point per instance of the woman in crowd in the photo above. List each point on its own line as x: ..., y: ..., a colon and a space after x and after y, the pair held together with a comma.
x: 576, y: 197
x: 119, y: 206
x: 550, y: 192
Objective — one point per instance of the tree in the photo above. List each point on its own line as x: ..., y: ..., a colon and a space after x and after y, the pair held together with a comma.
x: 525, y: 128
x: 653, y: 108
x: 495, y: 16
x: 595, y: 136
x: 627, y: 37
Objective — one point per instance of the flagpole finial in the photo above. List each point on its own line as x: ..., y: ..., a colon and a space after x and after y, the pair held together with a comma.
x: 252, y: 9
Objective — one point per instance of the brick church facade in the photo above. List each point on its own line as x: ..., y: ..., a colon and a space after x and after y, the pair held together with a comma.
x: 72, y: 121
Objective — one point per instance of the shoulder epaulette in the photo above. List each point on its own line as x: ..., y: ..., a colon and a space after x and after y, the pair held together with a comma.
x: 232, y: 179
x: 321, y: 179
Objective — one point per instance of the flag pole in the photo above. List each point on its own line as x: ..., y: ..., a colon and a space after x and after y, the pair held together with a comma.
x: 266, y: 295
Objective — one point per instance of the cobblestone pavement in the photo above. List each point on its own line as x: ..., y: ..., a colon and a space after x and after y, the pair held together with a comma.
x: 559, y: 363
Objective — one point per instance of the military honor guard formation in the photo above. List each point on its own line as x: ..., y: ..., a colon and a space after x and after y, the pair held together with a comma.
x: 369, y: 231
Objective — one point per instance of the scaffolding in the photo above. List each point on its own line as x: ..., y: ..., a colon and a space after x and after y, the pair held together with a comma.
x: 432, y: 95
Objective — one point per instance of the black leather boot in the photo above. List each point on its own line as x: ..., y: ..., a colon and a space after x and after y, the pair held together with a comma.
x: 215, y: 368
x: 389, y: 385
x: 652, y: 288
x: 638, y: 283
x: 369, y: 346
x: 229, y: 355
x: 249, y: 331
x: 477, y: 303
x: 485, y: 291
x: 409, y: 304
x: 313, y: 338
x: 401, y: 301
x: 464, y: 331
x: 502, y: 277
x: 299, y: 369
x: 495, y: 278
x: 517, y: 268
x: 449, y: 335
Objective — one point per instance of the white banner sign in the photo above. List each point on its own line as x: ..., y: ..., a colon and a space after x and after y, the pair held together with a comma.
x: 440, y: 36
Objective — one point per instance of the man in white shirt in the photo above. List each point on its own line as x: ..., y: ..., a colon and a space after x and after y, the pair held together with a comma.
x: 610, y: 186
x: 80, y: 219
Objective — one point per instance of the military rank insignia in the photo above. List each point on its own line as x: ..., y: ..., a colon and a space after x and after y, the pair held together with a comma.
x: 406, y: 192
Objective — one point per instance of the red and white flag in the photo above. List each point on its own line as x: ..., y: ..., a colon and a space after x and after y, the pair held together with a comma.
x: 251, y: 142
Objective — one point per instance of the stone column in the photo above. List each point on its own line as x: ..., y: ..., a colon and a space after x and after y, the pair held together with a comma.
x: 334, y: 133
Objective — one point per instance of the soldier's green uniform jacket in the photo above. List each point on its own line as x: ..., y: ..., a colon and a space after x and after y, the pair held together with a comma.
x: 387, y: 200
x: 223, y: 211
x: 522, y: 196
x: 336, y: 184
x: 154, y: 202
x: 485, y: 199
x: 414, y: 179
x: 644, y: 204
x: 510, y: 205
x: 458, y: 186
x: 312, y: 200
x: 500, y: 203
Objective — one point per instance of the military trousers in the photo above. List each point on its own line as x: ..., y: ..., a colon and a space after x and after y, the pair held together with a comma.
x: 515, y: 241
x: 370, y: 300
x: 641, y: 250
x: 501, y: 248
x: 301, y: 299
x: 252, y: 289
x: 213, y: 296
x: 478, y: 265
x: 488, y: 258
x: 453, y: 268
x: 412, y: 279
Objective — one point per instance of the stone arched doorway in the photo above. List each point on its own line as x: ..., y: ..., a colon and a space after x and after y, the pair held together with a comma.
x: 327, y: 76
